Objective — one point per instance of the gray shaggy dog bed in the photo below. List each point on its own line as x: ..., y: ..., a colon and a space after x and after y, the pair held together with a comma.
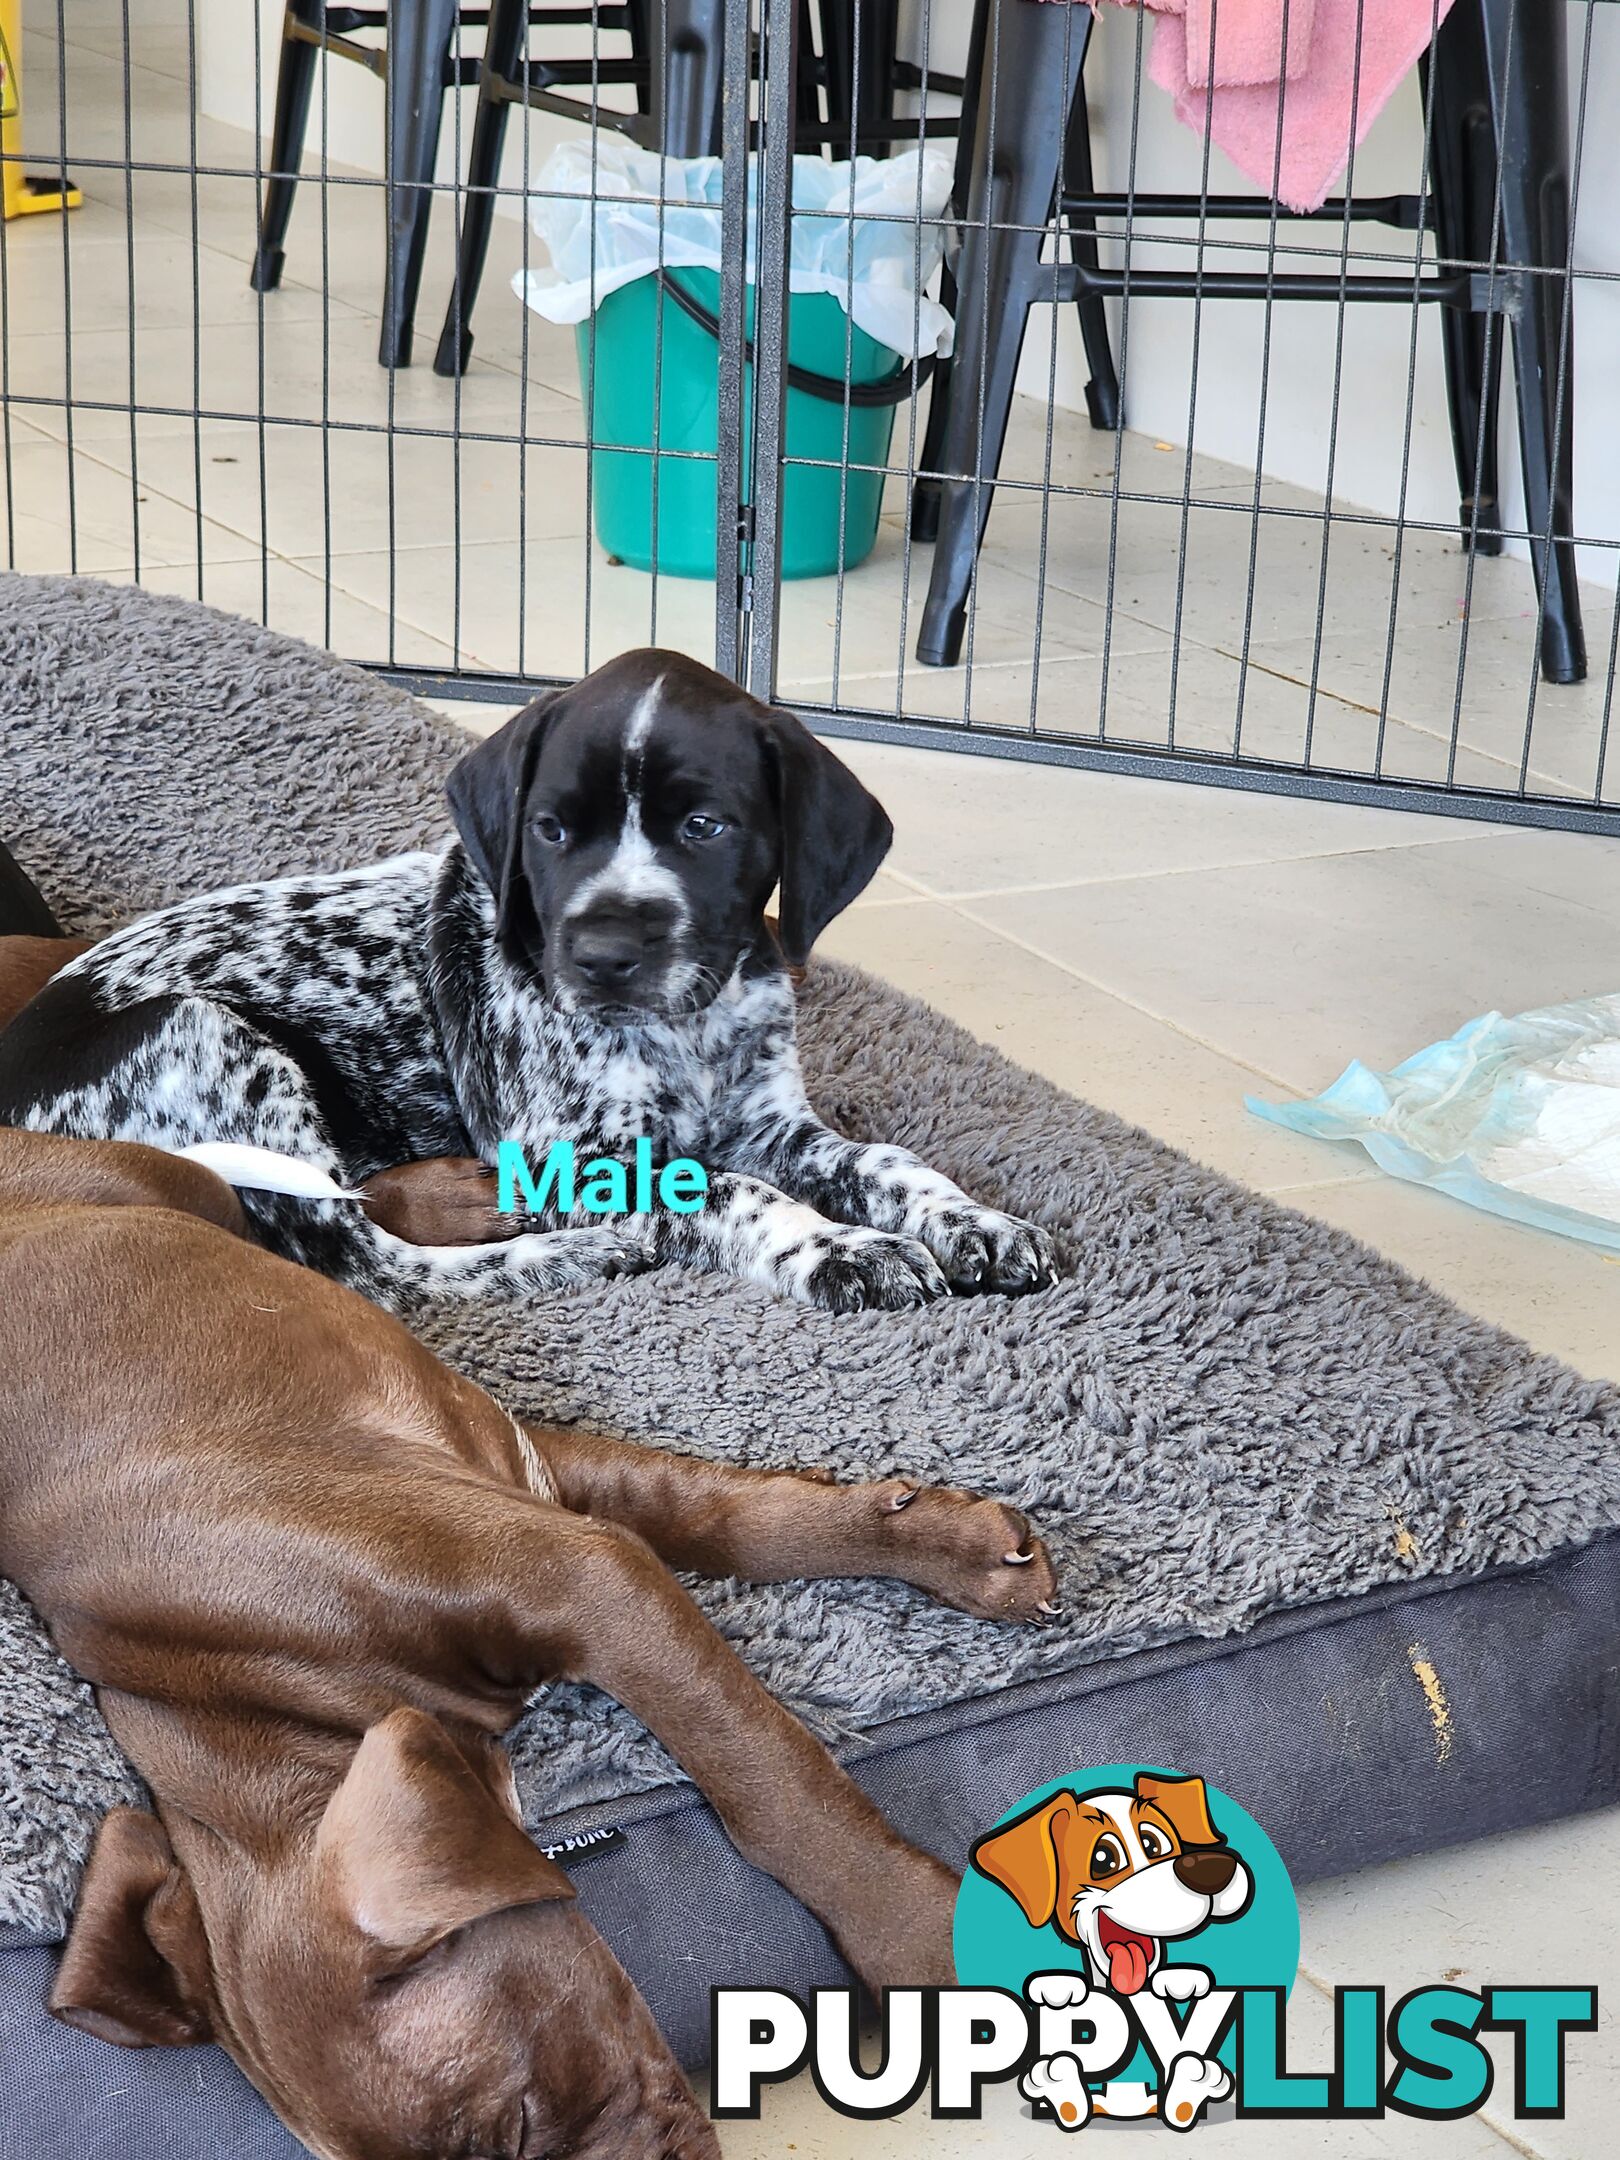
x: 1229, y: 1420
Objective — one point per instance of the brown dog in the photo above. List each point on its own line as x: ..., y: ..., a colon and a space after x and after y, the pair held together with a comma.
x: 312, y: 1575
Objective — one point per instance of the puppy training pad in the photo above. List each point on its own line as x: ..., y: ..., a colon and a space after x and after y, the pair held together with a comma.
x: 1323, y: 1537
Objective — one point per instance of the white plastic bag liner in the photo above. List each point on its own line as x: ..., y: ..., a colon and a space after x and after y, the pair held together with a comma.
x: 1518, y: 1116
x: 872, y: 269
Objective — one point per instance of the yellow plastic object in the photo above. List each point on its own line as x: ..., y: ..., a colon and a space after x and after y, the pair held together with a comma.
x: 22, y: 194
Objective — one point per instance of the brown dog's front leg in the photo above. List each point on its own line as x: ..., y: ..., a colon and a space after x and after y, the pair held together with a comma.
x: 448, y: 1200
x: 793, y: 1525
x: 632, y: 1631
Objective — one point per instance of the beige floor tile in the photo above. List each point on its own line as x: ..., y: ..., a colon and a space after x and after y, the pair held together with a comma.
x: 90, y: 121
x: 477, y: 717
x: 1096, y: 1046
x: 1081, y: 456
x: 1298, y: 967
x: 975, y: 824
x: 153, y: 46
x: 1154, y: 695
x: 1583, y: 870
x: 1561, y: 1295
x: 300, y: 605
x: 862, y: 632
x: 309, y: 371
x: 293, y: 485
x: 74, y: 513
x: 1054, y: 697
x: 1491, y: 1912
x: 569, y: 593
x: 1573, y: 730
x: 1144, y: 545
x: 89, y: 284
x: 555, y: 609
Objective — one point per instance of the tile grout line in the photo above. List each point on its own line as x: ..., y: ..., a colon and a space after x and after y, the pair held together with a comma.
x: 1255, y: 862
x: 1064, y: 967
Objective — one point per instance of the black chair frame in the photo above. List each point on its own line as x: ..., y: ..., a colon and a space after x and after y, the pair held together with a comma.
x: 1499, y: 207
x: 853, y: 69
x: 417, y: 64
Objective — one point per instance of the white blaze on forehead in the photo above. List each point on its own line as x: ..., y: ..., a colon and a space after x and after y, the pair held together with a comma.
x: 633, y: 871
x: 1117, y: 1807
x: 641, y: 720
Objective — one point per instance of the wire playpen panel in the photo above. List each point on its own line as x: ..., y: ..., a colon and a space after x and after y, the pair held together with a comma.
x: 1317, y: 499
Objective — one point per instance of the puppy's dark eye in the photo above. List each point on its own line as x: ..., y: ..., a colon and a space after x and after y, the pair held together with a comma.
x: 1107, y: 1858
x: 1154, y: 1842
x: 699, y: 827
x: 549, y: 829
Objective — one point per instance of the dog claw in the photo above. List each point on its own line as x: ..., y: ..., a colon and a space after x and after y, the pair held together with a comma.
x: 1017, y: 1559
x: 903, y: 1499
x: 1051, y: 1607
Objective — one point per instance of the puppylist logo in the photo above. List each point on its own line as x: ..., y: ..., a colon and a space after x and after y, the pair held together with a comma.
x: 1126, y: 1942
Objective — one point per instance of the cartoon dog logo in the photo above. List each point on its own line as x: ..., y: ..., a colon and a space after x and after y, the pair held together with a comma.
x: 1120, y: 1873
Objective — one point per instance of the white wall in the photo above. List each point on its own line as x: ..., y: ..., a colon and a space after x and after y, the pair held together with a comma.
x: 349, y: 100
x: 1300, y: 409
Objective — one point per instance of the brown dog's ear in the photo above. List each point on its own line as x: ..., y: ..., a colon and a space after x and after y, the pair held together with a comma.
x: 487, y: 790
x: 834, y: 833
x: 1185, y: 1801
x: 135, y: 1969
x: 417, y: 1844
x: 1022, y: 1856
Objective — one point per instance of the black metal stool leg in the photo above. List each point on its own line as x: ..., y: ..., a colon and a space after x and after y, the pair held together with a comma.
x: 503, y: 55
x: 639, y: 13
x: 1462, y: 165
x: 861, y: 39
x: 1102, y: 391
x: 295, y: 79
x: 1526, y: 41
x: 925, y: 490
x: 688, y: 53
x: 420, y: 33
x: 1023, y: 118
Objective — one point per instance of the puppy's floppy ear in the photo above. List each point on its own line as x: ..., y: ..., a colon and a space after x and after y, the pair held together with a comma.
x: 1022, y: 1857
x: 487, y: 790
x: 135, y: 1969
x: 834, y: 832
x: 1185, y: 1801
x: 416, y: 1844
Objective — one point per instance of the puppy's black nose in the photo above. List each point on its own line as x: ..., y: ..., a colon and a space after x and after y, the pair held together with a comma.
x: 608, y: 955
x: 1207, y: 1872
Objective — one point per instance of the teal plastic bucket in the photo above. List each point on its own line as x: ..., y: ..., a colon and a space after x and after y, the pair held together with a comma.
x: 829, y: 519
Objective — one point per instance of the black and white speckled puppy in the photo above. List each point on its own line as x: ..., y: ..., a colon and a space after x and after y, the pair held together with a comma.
x: 589, y: 961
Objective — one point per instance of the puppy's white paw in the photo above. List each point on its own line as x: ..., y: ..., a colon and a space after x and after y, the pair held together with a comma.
x: 1057, y: 1990
x: 1181, y: 1983
x: 981, y: 1249
x: 871, y: 1271
x: 1194, y: 2081
x: 1057, y: 2080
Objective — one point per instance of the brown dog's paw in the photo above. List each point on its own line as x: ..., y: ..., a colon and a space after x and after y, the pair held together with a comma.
x: 979, y: 1555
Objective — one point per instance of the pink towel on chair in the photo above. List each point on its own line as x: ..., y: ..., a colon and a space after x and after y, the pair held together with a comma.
x: 1295, y: 141
x: 1247, y: 39
x: 1292, y: 133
